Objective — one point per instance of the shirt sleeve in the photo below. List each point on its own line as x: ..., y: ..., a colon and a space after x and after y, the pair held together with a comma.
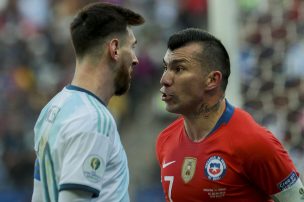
x: 157, y: 149
x: 269, y: 166
x: 37, y: 191
x: 78, y: 196
x: 295, y: 193
x: 37, y: 170
x: 84, y: 162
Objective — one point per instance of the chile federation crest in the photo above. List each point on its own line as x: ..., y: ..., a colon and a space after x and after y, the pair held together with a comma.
x: 215, y: 168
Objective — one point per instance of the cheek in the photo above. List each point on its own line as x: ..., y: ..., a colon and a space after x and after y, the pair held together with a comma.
x: 192, y: 90
x: 127, y: 57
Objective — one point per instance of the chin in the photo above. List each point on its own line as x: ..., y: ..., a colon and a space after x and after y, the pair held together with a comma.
x: 171, y: 110
x: 122, y: 84
x: 121, y: 90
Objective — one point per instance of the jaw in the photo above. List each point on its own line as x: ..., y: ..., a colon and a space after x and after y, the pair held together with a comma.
x: 190, y: 109
x: 172, y: 107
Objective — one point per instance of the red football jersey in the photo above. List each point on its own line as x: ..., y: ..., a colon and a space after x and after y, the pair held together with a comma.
x: 239, y: 161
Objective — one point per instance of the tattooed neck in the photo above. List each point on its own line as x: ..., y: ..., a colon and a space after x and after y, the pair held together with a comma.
x: 206, y: 110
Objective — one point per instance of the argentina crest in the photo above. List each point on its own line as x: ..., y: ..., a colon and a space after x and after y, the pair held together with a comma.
x: 188, y: 169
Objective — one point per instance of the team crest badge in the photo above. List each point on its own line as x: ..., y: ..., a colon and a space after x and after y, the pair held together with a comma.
x: 188, y: 169
x: 215, y: 168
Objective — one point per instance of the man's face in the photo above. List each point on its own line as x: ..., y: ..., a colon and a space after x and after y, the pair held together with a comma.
x: 183, y: 80
x: 127, y: 61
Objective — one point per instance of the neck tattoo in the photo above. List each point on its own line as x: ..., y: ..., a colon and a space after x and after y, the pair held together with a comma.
x: 205, y: 110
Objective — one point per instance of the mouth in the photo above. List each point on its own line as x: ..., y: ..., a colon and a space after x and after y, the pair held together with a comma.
x: 165, y: 96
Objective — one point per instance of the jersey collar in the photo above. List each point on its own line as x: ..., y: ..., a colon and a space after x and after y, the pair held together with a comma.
x: 77, y: 88
x: 224, y: 119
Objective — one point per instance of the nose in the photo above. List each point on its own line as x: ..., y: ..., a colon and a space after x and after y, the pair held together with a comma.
x: 166, y: 79
x: 135, y: 60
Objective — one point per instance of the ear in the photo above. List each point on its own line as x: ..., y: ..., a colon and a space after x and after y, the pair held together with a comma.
x: 214, y: 80
x: 113, y: 47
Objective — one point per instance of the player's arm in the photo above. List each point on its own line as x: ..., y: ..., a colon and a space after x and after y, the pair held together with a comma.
x: 75, y: 196
x: 37, y: 192
x: 76, y: 182
x: 275, y: 172
x: 37, y: 188
x: 294, y: 193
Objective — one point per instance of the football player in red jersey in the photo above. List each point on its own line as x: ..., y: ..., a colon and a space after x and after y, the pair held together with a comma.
x: 215, y: 151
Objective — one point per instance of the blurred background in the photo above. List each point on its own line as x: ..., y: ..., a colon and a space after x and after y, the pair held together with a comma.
x: 265, y: 39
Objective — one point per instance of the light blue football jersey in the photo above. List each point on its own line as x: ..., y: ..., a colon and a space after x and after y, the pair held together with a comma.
x: 78, y: 147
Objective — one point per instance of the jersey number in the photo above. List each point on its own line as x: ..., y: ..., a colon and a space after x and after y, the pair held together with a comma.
x: 47, y: 173
x: 170, y: 179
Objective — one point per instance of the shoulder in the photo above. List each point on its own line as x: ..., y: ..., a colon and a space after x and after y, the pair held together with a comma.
x: 173, y: 127
x: 243, y: 123
x: 168, y: 137
x: 84, y: 113
x: 241, y: 116
x: 170, y: 131
x: 253, y: 139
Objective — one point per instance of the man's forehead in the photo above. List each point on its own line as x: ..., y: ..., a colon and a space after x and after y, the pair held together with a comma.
x: 168, y: 56
x: 168, y: 53
x: 185, y: 52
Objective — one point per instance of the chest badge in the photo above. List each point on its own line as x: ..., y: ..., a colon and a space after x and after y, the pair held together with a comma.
x: 215, y: 168
x: 188, y: 169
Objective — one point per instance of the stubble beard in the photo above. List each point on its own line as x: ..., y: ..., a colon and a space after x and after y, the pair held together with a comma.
x: 122, y: 81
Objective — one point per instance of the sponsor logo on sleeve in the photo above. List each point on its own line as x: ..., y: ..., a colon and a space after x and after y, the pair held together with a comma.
x: 215, y: 168
x: 288, y: 181
x: 93, y: 168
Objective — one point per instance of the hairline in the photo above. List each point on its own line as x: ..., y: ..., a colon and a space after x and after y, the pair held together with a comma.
x: 198, y: 53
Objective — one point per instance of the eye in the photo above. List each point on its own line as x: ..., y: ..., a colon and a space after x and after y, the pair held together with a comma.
x: 179, y: 69
x: 165, y: 68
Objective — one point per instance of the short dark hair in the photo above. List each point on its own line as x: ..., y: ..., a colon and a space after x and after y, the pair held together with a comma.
x: 96, y: 21
x: 213, y: 55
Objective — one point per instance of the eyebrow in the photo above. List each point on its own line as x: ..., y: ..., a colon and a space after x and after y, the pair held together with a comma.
x: 174, y: 62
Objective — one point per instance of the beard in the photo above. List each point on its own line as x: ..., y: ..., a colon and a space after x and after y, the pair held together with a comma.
x: 122, y: 81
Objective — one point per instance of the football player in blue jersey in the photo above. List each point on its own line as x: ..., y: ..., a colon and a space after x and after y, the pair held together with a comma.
x: 78, y: 147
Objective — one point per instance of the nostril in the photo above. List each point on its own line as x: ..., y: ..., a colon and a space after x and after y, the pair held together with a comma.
x: 134, y: 64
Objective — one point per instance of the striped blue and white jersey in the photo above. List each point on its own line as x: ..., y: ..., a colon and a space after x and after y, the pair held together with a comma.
x: 78, y: 147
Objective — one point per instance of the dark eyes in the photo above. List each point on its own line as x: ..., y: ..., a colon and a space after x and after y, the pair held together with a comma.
x: 178, y: 69
x: 175, y: 69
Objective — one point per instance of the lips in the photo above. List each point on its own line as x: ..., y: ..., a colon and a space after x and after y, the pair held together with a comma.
x: 166, y: 96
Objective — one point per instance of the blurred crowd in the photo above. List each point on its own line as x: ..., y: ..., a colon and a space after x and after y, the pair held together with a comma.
x: 272, y: 64
x: 37, y: 61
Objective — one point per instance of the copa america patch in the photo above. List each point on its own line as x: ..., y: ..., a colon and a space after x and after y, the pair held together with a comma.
x: 215, y: 168
x: 93, y: 168
x: 288, y: 181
